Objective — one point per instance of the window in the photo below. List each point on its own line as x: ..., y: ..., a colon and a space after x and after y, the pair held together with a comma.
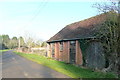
x: 61, y: 46
x: 72, y: 42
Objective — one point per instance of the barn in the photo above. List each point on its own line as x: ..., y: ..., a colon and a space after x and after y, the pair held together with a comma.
x: 77, y: 44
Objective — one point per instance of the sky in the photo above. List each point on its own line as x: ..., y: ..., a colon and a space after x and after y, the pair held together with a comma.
x: 42, y: 18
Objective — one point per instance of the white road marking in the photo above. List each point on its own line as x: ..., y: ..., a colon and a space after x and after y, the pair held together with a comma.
x: 26, y: 74
x: 13, y: 58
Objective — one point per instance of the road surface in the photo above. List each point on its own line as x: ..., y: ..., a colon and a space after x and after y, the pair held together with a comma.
x: 14, y: 66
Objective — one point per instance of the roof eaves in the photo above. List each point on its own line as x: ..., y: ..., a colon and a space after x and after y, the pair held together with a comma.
x: 70, y: 39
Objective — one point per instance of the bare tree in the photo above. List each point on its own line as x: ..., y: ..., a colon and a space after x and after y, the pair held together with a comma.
x: 107, y: 6
x: 29, y: 41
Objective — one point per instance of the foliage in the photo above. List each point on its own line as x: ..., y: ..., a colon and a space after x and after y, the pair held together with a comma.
x: 30, y: 42
x: 2, y: 46
x: 68, y: 69
x: 4, y: 50
x: 110, y: 34
x: 14, y: 42
x: 44, y: 44
x: 5, y: 40
x: 38, y: 43
x: 83, y: 45
x: 8, y: 43
x: 21, y: 41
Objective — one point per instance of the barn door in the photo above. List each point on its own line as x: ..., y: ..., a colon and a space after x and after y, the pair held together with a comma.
x: 72, y: 52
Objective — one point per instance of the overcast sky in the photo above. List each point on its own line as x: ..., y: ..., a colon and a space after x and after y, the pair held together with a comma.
x: 41, y: 18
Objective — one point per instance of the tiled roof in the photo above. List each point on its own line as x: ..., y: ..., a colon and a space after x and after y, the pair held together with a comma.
x: 81, y: 29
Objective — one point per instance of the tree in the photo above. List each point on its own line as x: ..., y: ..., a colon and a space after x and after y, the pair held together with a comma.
x: 110, y: 34
x: 5, y: 40
x: 38, y: 43
x: 0, y: 42
x: 14, y: 42
x: 44, y: 44
x: 21, y: 41
x: 105, y: 7
x: 29, y: 42
x: 2, y: 46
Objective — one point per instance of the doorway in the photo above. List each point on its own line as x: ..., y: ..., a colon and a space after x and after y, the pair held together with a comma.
x: 72, y: 52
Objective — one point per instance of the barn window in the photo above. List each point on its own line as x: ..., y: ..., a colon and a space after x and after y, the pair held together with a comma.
x: 72, y: 42
x: 61, y: 46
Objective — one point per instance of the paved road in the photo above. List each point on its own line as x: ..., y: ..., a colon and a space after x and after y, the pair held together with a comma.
x: 14, y: 66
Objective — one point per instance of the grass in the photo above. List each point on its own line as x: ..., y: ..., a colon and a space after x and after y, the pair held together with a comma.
x: 67, y: 69
x: 1, y: 51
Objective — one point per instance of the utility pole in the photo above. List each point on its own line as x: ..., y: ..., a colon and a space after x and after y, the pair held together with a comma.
x: 19, y: 43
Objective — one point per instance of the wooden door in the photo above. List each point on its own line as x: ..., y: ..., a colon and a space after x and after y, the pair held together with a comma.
x: 72, y: 52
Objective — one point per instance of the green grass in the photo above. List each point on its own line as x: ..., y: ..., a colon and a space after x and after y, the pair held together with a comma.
x: 67, y: 69
x: 4, y: 50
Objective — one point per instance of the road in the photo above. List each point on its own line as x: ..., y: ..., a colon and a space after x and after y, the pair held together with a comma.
x: 14, y: 66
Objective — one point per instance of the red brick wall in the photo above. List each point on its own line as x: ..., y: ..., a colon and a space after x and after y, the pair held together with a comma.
x: 79, y: 60
x: 57, y: 50
x: 60, y: 54
x: 64, y: 55
x: 66, y: 51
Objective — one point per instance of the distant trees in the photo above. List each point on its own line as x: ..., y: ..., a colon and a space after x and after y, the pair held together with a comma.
x: 10, y: 43
x: 43, y: 44
x: 38, y: 43
x: 30, y: 42
x: 5, y: 40
x: 21, y: 41
x: 14, y: 42
x: 2, y: 46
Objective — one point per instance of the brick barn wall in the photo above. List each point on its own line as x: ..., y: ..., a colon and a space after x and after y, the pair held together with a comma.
x: 64, y: 55
x: 60, y: 55
x: 57, y: 50
x: 66, y: 52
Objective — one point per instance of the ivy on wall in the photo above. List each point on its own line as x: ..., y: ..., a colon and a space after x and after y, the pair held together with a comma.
x: 83, y: 45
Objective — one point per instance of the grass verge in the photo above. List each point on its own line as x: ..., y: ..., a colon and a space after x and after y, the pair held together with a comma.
x: 67, y: 69
x: 4, y: 50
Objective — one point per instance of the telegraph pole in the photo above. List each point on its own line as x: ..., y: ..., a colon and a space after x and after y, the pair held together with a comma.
x: 19, y: 43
